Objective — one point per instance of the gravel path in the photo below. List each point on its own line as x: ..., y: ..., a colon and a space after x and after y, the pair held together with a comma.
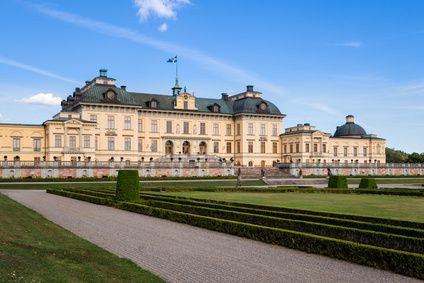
x: 182, y: 253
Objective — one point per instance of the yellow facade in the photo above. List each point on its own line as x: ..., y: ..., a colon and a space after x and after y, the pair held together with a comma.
x: 103, y: 122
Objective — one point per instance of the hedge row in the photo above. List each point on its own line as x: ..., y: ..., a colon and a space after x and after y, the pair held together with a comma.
x: 407, y: 263
x: 392, y: 222
x: 109, y: 178
x: 410, y: 232
x: 83, y: 197
x: 390, y: 241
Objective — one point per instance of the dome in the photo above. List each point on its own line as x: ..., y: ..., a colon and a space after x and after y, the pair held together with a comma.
x: 350, y: 129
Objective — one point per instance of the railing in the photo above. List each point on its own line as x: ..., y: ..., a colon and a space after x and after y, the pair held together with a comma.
x: 350, y: 165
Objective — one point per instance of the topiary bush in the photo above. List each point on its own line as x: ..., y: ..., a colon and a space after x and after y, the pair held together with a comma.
x: 337, y: 182
x: 368, y: 183
x: 128, y: 185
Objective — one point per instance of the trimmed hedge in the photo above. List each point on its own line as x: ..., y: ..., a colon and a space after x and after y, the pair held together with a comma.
x: 368, y: 183
x: 412, y: 264
x: 337, y: 182
x: 392, y: 222
x: 128, y: 185
x: 83, y: 197
x: 410, y: 232
x: 386, y: 240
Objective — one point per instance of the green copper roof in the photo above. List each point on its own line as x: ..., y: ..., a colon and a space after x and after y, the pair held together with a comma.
x: 96, y: 94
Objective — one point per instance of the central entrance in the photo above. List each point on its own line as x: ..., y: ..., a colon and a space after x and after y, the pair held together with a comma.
x: 202, y: 148
x: 169, y: 148
x: 186, y: 148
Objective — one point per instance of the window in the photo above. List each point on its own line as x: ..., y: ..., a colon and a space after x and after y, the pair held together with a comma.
x: 110, y: 122
x: 250, y: 163
x: 215, y: 147
x: 315, y: 147
x: 153, y: 104
x: 238, y: 148
x: 140, y: 144
x: 285, y: 148
x: 324, y: 148
x: 250, y: 147
x: 365, y: 151
x: 291, y: 148
x: 185, y: 104
x: 86, y: 141
x: 215, y: 129
x: 355, y: 151
x: 186, y: 128
x: 274, y: 147
x: 228, y: 147
x: 202, y: 128
x: 140, y: 125
x: 263, y: 131
x: 169, y: 127
x: 262, y: 147
x: 238, y: 129
x: 274, y: 130
x: 96, y: 142
x: 228, y: 130
x: 250, y: 129
x: 378, y: 149
x: 16, y: 144
x: 154, y: 146
x: 297, y: 147
x: 73, y: 142
x: 345, y: 151
x: 111, y: 143
x: 335, y: 150
x: 307, y: 147
x: 36, y: 144
x: 127, y: 123
x: 154, y: 126
x: 215, y: 108
x: 93, y: 117
x: 57, y: 140
x: 127, y: 144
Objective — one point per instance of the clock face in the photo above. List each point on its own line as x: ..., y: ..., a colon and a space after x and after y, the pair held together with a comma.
x: 262, y: 106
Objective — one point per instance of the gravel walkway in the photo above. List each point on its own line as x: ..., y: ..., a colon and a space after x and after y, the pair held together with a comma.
x: 182, y: 253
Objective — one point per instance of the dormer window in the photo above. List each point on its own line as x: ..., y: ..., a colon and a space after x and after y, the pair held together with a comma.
x: 110, y: 96
x: 262, y: 107
x: 215, y: 108
x: 153, y: 103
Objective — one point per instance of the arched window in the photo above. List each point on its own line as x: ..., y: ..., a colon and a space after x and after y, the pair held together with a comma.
x: 153, y: 104
x: 250, y: 163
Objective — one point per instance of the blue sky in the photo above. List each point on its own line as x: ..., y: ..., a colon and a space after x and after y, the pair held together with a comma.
x: 316, y: 60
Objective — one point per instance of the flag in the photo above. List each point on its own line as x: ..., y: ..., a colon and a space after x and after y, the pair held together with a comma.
x: 172, y: 60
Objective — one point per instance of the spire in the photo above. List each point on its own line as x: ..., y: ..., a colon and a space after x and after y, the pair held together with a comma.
x: 176, y: 89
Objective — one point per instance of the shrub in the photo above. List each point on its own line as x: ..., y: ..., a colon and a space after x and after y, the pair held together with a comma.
x: 337, y: 182
x: 368, y: 183
x: 128, y: 185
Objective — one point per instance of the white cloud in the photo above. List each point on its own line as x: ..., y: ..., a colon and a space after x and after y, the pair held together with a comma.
x: 47, y: 99
x: 205, y: 60
x: 352, y: 44
x: 163, y: 27
x: 19, y: 65
x: 159, y: 8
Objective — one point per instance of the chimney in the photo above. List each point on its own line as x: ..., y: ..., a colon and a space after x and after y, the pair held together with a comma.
x: 224, y: 96
x: 350, y: 119
x: 123, y: 87
x: 87, y: 82
x: 249, y: 88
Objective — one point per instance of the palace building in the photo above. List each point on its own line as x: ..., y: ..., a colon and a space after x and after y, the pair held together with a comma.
x: 103, y: 122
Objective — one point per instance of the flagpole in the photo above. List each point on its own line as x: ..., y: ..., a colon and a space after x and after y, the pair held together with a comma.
x: 176, y: 69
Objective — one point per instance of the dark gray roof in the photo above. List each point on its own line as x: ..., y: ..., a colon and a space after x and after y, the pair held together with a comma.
x: 349, y: 129
x: 95, y: 94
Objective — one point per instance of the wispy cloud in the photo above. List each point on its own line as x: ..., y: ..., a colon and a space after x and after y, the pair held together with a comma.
x: 163, y: 27
x: 3, y: 118
x: 351, y: 44
x: 412, y: 88
x: 26, y: 67
x: 205, y: 60
x: 159, y: 8
x: 321, y: 107
x: 46, y: 99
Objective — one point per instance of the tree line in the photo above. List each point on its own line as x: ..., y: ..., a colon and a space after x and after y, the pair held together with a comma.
x: 399, y: 156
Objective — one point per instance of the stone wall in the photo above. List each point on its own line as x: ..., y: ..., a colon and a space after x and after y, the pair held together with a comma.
x: 388, y: 169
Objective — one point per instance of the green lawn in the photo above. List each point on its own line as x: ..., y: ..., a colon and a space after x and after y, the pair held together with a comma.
x: 394, y: 207
x: 33, y: 249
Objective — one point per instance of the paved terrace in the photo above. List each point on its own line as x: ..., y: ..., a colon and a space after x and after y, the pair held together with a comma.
x: 182, y: 253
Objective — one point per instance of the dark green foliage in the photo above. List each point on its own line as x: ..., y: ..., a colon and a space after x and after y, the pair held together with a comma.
x: 398, y: 156
x: 128, y: 185
x: 368, y: 183
x: 376, y: 220
x: 337, y: 182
